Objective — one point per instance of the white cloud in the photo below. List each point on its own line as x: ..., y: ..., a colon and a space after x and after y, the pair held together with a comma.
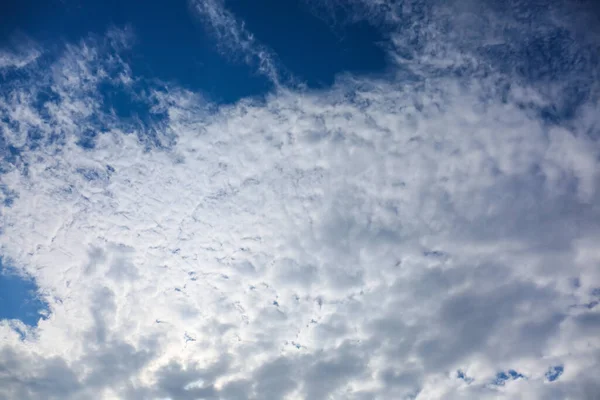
x: 23, y: 53
x: 366, y: 241
x: 234, y: 39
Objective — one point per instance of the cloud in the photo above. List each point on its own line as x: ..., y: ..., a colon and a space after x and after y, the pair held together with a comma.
x: 234, y: 39
x: 11, y: 60
x: 366, y: 241
x: 24, y: 52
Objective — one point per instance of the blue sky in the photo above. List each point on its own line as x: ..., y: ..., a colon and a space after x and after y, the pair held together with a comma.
x: 19, y: 297
x: 173, y: 45
x: 170, y: 42
x: 311, y: 199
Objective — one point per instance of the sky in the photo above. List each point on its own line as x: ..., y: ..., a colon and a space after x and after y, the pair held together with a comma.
x: 299, y: 199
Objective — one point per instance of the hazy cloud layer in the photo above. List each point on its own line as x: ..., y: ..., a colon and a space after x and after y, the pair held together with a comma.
x: 429, y: 234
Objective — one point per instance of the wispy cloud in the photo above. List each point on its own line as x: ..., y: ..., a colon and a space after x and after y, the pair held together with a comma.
x: 23, y: 53
x: 234, y: 39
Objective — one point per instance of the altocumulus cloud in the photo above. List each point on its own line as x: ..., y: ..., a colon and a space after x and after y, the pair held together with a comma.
x: 429, y: 233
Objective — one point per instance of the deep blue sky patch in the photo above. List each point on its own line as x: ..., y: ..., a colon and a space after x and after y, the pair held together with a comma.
x: 19, y: 297
x: 554, y: 373
x: 309, y: 46
x: 170, y: 43
x: 511, y: 375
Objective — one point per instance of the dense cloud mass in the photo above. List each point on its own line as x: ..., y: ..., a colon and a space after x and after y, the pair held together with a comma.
x: 427, y: 233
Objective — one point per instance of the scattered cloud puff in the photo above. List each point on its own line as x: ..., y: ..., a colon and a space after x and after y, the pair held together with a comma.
x: 430, y: 234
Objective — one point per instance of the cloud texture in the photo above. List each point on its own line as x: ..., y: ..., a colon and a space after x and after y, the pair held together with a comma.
x: 430, y: 233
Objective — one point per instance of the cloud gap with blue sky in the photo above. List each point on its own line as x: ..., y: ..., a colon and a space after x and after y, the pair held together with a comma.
x: 20, y: 301
x: 303, y: 199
